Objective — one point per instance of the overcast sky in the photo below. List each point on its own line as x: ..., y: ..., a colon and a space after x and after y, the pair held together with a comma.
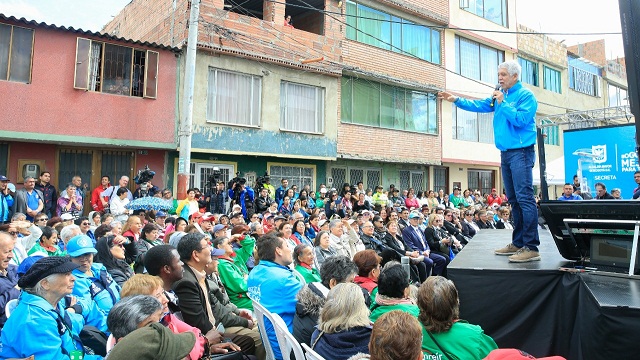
x: 566, y: 16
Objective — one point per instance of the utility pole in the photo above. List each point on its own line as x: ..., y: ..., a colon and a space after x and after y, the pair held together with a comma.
x: 184, y: 131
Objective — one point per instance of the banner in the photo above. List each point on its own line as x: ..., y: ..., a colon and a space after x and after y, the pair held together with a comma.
x: 606, y: 155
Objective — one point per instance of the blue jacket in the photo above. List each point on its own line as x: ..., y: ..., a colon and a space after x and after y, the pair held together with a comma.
x: 8, y: 290
x: 514, y: 124
x: 275, y: 287
x: 280, y: 194
x: 33, y: 329
x: 415, y: 241
x: 6, y: 204
x: 247, y: 192
x: 96, y: 287
x: 572, y: 197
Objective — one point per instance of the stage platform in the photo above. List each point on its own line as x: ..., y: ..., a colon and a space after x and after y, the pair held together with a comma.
x: 542, y: 310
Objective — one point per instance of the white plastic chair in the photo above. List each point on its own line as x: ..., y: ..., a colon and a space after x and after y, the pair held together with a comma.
x: 10, y: 306
x: 286, y: 340
x: 260, y: 313
x: 310, y: 354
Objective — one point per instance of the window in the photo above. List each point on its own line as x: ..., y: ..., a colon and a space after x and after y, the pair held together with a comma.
x: 617, y: 96
x: 300, y: 175
x: 16, y: 50
x: 492, y: 10
x: 379, y: 29
x: 481, y: 179
x: 4, y: 158
x: 471, y: 126
x: 529, y: 71
x: 370, y: 103
x: 551, y: 133
x: 301, y: 107
x: 233, y: 98
x: 116, y: 69
x: 440, y: 179
x: 584, y: 77
x: 352, y: 175
x: 201, y: 173
x: 411, y: 179
x: 477, y: 61
x: 552, y: 79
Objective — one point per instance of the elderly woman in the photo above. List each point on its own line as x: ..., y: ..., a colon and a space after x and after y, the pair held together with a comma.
x: 344, y: 328
x: 118, y: 203
x: 304, y: 259
x: 40, y: 325
x: 48, y: 243
x: 70, y: 203
x: 322, y: 248
x: 395, y: 241
x: 116, y: 253
x: 368, y: 263
x: 233, y: 269
x: 142, y: 284
x: 93, y: 281
x: 393, y: 293
x: 444, y: 334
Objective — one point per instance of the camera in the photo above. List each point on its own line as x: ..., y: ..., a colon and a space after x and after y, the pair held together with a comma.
x: 144, y: 176
x: 215, y: 176
x: 235, y: 184
x: 260, y: 181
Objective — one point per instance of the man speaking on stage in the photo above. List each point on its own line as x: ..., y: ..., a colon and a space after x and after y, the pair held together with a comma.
x: 514, y: 130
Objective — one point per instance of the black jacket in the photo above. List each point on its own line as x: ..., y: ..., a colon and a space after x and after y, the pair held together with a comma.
x: 192, y: 300
x: 262, y: 204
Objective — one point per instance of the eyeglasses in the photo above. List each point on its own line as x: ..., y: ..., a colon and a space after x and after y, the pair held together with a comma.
x: 85, y: 224
x: 13, y: 233
x: 43, y: 219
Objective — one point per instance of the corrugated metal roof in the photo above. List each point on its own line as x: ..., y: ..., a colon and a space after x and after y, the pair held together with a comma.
x: 86, y: 32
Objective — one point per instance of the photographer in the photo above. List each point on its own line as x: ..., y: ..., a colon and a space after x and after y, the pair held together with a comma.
x: 242, y: 195
x: 217, y: 199
x: 263, y: 201
x: 145, y: 189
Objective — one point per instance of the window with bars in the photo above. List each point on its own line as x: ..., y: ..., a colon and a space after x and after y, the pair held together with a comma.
x: 477, y: 61
x: 481, y: 179
x: 299, y: 175
x: 116, y: 69
x: 472, y: 126
x: 441, y: 179
x: 411, y: 179
x: 370, y: 177
x: 233, y: 98
x: 116, y: 163
x: 16, y: 50
x: 529, y: 71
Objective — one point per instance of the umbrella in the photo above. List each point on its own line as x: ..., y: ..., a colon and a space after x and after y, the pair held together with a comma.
x: 149, y: 203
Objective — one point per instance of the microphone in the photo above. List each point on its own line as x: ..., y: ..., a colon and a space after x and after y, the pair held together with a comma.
x: 493, y: 100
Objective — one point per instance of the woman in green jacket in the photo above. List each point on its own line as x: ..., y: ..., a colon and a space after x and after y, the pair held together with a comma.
x: 303, y: 256
x: 233, y: 269
x: 443, y: 333
x: 393, y: 293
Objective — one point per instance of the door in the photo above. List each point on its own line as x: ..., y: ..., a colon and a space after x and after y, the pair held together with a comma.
x: 201, y: 174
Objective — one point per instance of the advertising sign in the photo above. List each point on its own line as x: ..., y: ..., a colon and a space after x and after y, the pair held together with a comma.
x: 606, y: 155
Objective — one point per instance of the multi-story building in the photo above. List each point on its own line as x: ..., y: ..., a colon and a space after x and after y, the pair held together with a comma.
x: 469, y: 156
x: 83, y: 103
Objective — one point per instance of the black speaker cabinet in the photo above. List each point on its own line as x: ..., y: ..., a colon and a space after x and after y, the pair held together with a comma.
x: 630, y: 21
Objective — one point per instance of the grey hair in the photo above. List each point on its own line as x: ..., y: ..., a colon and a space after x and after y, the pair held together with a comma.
x: 129, y: 312
x: 344, y: 309
x: 38, y: 289
x: 18, y: 216
x: 512, y: 67
x: 335, y: 223
x: 114, y: 223
x: 67, y: 232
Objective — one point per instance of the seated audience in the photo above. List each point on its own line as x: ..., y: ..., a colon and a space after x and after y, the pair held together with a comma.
x: 444, y: 334
x: 322, y: 248
x: 47, y: 244
x: 8, y: 275
x: 368, y: 263
x: 344, y: 328
x: 394, y: 241
x: 233, y: 269
x: 116, y: 253
x: 303, y: 257
x: 153, y: 341
x: 393, y: 293
x: 148, y: 239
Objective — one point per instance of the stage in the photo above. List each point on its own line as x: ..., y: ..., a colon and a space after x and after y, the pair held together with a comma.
x: 542, y: 310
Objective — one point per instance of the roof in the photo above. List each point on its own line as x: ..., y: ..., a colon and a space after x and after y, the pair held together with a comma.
x: 86, y: 32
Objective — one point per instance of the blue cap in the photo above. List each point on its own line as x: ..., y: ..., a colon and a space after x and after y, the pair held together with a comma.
x: 80, y: 245
x: 414, y: 215
x: 25, y: 265
x: 3, y: 178
x: 161, y: 214
x: 219, y: 227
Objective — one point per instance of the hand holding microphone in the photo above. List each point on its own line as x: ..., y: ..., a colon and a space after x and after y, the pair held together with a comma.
x: 493, y: 97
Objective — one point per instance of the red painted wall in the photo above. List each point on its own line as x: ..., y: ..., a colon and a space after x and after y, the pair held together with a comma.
x: 51, y: 105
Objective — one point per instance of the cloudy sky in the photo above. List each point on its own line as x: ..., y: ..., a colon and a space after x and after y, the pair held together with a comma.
x: 566, y: 16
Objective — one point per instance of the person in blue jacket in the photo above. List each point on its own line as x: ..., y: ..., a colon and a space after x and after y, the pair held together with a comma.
x: 245, y: 195
x: 93, y: 282
x: 514, y: 128
x: 272, y: 284
x: 39, y: 325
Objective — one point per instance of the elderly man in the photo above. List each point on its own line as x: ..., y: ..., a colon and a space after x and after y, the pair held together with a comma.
x: 601, y: 190
x: 68, y: 232
x: 112, y: 190
x: 343, y: 244
x: 28, y: 200
x: 415, y: 238
x: 8, y: 275
x: 514, y: 127
x: 272, y: 284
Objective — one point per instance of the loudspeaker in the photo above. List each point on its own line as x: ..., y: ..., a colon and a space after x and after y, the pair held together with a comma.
x: 630, y: 21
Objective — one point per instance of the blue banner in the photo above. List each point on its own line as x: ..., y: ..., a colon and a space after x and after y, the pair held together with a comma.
x: 606, y: 155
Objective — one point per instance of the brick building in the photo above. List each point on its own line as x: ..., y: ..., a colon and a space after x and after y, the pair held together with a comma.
x: 83, y: 103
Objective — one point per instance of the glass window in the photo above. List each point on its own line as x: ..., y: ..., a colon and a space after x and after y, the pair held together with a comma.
x: 617, y: 96
x: 440, y: 179
x: 482, y: 180
x: 492, y: 10
x: 552, y: 80
x: 472, y: 126
x: 300, y: 175
x: 301, y: 107
x: 370, y: 103
x: 477, y: 61
x: 16, y: 50
x: 379, y: 29
x: 551, y: 133
x: 233, y: 98
x: 529, y: 71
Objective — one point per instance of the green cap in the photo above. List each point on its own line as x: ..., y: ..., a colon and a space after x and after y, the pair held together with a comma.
x: 153, y: 342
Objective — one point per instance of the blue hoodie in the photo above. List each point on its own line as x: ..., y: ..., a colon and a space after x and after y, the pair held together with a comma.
x: 514, y: 124
x: 275, y: 287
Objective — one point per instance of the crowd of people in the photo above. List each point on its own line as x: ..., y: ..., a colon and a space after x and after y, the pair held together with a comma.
x: 326, y: 261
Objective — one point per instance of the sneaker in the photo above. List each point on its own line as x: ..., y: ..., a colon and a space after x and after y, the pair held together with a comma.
x: 525, y: 255
x: 507, y: 250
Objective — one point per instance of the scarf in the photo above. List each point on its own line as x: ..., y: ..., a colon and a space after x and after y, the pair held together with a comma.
x: 383, y: 300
